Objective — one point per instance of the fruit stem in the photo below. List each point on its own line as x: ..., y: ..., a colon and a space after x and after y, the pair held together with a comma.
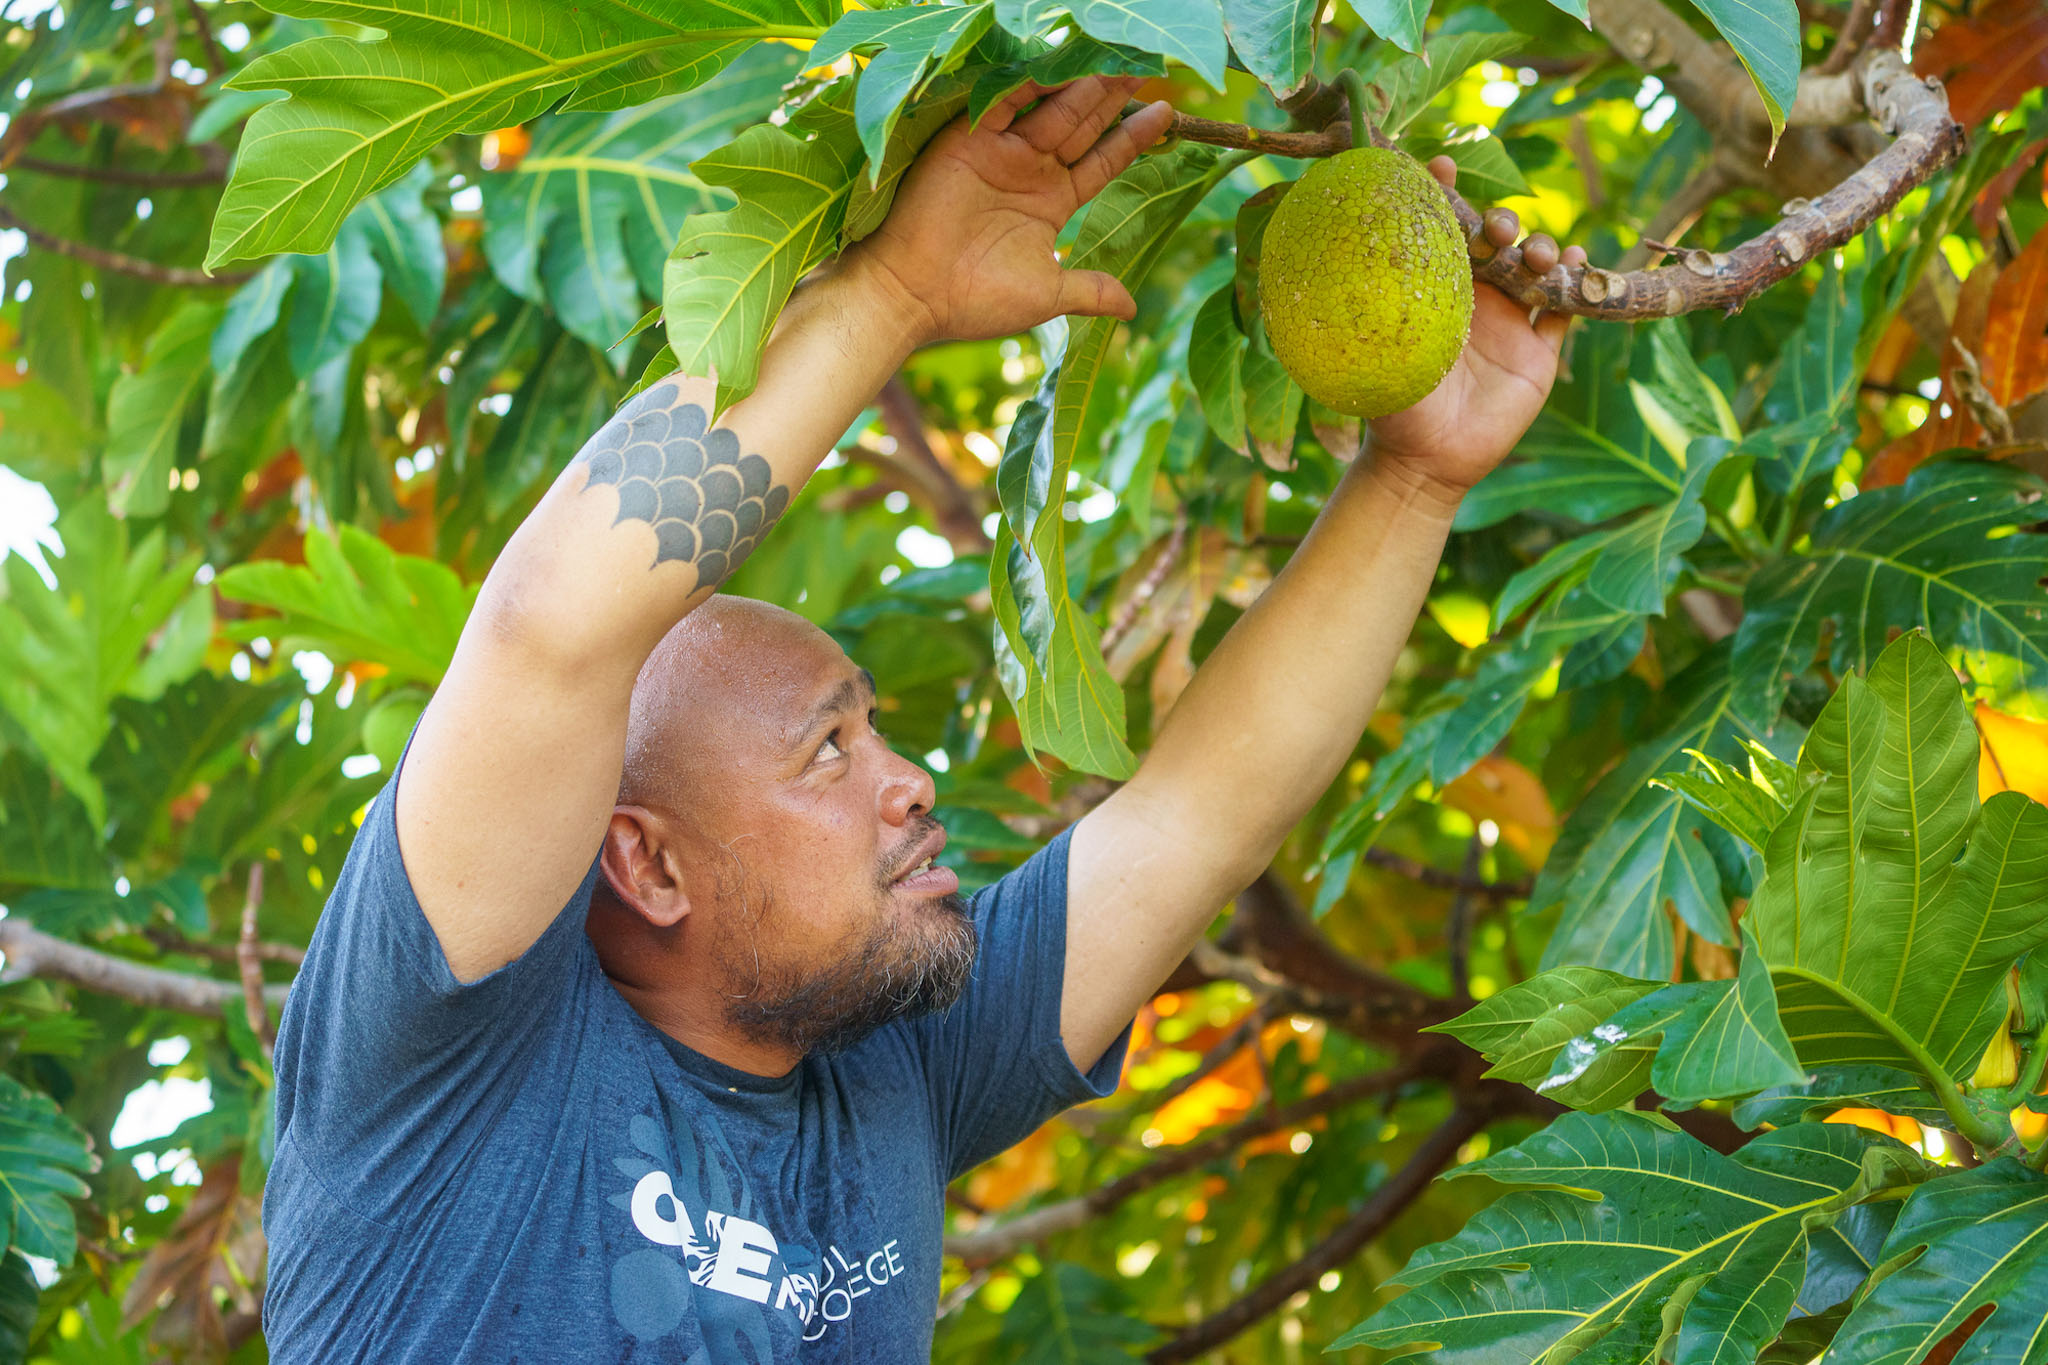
x: 1353, y: 86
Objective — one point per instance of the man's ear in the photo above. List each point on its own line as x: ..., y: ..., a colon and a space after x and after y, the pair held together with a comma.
x: 640, y: 863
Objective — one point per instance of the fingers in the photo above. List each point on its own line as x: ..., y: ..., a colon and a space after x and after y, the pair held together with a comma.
x: 1093, y: 294
x: 1502, y: 226
x: 1445, y: 170
x: 1119, y: 147
x: 1003, y: 112
x: 1073, y: 116
x: 1540, y: 253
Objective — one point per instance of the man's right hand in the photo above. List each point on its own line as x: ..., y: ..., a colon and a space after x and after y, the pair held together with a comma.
x: 968, y: 244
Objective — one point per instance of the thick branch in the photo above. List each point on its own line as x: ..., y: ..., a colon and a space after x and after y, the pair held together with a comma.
x: 1386, y: 1203
x: 985, y: 1245
x: 171, y: 942
x: 123, y: 264
x: 31, y: 952
x: 1927, y: 139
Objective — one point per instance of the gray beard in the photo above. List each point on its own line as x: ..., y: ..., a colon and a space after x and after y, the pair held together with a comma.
x: 892, y: 974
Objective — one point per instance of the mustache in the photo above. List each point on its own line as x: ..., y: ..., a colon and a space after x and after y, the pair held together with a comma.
x: 898, y: 861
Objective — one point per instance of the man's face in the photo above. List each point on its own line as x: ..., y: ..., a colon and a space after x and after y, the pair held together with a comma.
x: 811, y: 878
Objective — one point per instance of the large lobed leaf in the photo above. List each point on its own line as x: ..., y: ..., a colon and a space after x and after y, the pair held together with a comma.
x: 1976, y: 1239
x: 1945, y: 552
x: 362, y: 113
x: 585, y: 219
x: 357, y: 599
x: 730, y: 273
x: 1626, y: 1240
x: 42, y: 1156
x: 1188, y: 31
x: 1893, y: 901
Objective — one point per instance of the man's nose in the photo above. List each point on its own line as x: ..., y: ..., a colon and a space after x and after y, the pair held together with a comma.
x: 907, y: 791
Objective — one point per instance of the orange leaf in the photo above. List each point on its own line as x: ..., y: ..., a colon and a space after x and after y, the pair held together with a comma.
x: 2014, y: 754
x: 1024, y: 1170
x: 2015, y: 354
x: 1505, y: 792
x: 1895, y: 461
x: 1989, y: 60
x: 1984, y: 212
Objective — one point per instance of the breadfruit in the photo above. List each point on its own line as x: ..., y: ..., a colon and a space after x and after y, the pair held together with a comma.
x: 1365, y: 283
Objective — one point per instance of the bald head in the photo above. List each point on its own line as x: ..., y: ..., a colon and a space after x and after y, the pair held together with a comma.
x: 733, y: 675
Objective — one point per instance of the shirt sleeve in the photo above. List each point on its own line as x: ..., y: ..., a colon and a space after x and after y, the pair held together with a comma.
x: 391, y: 1072
x: 997, y: 1065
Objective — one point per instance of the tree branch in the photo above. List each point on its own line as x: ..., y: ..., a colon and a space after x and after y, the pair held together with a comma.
x: 123, y: 264
x: 953, y: 507
x: 251, y: 964
x: 127, y: 175
x: 1447, y: 881
x: 983, y: 1246
x: 172, y: 942
x: 31, y: 952
x: 216, y: 60
x: 1387, y: 1202
x: 1927, y: 139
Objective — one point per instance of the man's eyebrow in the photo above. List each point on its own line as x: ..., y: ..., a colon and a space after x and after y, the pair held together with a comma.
x: 838, y: 702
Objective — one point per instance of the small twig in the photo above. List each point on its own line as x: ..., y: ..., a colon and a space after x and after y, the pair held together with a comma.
x: 963, y: 1291
x: 123, y: 264
x: 216, y: 60
x: 1848, y: 38
x: 1154, y: 579
x: 171, y: 942
x: 985, y: 1245
x: 31, y: 952
x: 1678, y: 214
x: 252, y: 963
x: 953, y: 507
x: 126, y: 175
x: 1446, y: 881
x: 1388, y: 1202
x: 1458, y: 927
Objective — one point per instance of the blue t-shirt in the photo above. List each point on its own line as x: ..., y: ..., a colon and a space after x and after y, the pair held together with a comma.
x: 524, y: 1171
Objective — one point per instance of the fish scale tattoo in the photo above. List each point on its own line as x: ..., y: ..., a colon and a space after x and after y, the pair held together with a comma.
x: 708, y: 503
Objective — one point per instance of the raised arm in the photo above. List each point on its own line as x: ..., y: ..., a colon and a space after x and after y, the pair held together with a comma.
x: 1278, y: 706
x: 510, y: 782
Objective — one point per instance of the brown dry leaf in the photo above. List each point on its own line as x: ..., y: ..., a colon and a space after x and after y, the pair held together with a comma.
x: 1503, y: 791
x: 1712, y: 962
x: 2015, y: 351
x: 2014, y: 754
x: 216, y: 1246
x: 2001, y: 187
x: 1989, y: 60
x: 1940, y: 432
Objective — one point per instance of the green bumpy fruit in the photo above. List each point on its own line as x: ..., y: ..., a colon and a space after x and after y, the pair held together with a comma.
x: 1365, y: 283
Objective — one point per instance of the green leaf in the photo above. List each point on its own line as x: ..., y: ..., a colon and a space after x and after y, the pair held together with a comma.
x: 1625, y: 1240
x: 150, y: 412
x: 1744, y: 805
x: 1834, y: 1087
x: 250, y: 314
x: 1809, y: 396
x: 1186, y: 31
x: 1051, y: 665
x: 1272, y: 406
x: 405, y: 239
x: 730, y: 273
x: 73, y: 648
x: 42, y: 1156
x: 1720, y: 1038
x: 1893, y: 903
x: 1528, y: 1032
x: 1078, y: 56
x: 357, y: 599
x: 1412, y: 82
x: 335, y: 297
x: 159, y: 750
x: 922, y: 121
x: 1948, y: 552
x: 1765, y: 35
x: 1216, y: 351
x: 1398, y: 21
x: 1486, y: 171
x: 1068, y: 1315
x: 1982, y: 1239
x: 18, y: 1295
x: 1275, y: 39
x: 910, y: 43
x: 362, y: 113
x: 1631, y: 849
x: 1252, y: 216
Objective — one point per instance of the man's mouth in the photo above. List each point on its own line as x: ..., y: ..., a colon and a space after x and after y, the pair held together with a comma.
x: 925, y: 877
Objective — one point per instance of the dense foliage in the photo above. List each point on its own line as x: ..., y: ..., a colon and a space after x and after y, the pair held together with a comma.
x: 1671, y: 889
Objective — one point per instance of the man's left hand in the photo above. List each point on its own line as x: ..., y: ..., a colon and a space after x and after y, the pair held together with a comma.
x: 1453, y: 438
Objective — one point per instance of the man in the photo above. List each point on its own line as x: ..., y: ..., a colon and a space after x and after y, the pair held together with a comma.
x: 698, y: 1100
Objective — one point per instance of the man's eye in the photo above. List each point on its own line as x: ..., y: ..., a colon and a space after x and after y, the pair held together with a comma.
x: 829, y: 749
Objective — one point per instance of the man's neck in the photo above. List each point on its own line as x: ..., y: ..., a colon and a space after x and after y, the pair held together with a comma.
x: 697, y: 1021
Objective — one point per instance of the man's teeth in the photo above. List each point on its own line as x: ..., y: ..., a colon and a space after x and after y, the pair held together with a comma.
x: 921, y: 868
